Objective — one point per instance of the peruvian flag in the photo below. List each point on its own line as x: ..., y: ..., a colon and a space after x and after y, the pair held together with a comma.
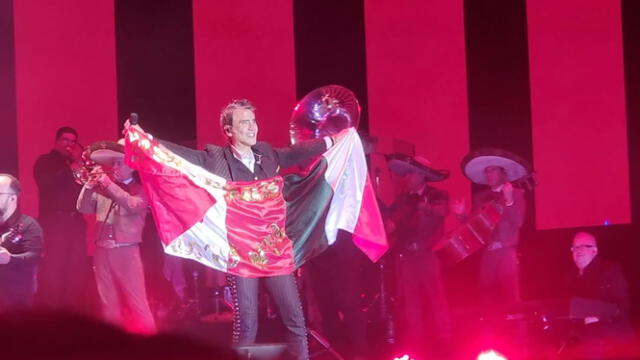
x: 261, y: 228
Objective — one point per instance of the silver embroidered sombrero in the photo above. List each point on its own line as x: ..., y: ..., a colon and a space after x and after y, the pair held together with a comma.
x: 104, y: 152
x: 474, y: 164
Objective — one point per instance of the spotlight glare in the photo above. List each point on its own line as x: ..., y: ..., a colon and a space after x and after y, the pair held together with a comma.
x: 490, y: 355
x: 404, y: 357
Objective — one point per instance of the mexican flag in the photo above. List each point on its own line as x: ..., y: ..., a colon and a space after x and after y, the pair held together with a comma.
x: 261, y: 228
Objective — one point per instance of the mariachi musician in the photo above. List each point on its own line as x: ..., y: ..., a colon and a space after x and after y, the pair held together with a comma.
x: 497, y: 169
x: 416, y: 222
x: 20, y: 248
x: 114, y: 194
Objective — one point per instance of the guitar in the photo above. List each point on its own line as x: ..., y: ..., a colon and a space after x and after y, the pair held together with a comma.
x: 469, y: 237
x: 13, y: 235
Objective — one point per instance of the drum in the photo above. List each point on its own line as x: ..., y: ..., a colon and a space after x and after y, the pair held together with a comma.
x: 469, y: 237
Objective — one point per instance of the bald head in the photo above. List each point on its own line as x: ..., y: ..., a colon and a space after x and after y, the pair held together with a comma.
x: 9, y: 184
x: 9, y: 189
x: 4, y: 180
x: 584, y: 238
x: 584, y: 248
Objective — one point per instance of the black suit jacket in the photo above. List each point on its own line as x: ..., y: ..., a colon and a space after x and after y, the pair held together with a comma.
x: 601, y: 283
x: 220, y: 160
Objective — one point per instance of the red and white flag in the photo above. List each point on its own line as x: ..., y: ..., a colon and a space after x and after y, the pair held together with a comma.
x: 260, y: 228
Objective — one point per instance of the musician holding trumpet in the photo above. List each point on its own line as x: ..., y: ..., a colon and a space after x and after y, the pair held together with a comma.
x: 114, y: 194
x: 64, y: 270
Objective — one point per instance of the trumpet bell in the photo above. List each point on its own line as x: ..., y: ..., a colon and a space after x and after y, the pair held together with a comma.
x: 324, y: 111
x: 98, y: 153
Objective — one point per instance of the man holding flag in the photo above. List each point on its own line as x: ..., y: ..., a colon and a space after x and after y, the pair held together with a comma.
x: 227, y: 208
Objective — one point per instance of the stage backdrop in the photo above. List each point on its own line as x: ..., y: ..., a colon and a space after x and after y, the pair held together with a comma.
x: 554, y: 81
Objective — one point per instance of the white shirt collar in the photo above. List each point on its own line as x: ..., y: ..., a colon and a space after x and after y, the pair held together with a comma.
x: 239, y: 154
x: 247, y: 158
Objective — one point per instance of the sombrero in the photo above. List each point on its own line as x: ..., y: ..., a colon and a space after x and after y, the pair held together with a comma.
x: 473, y: 164
x: 401, y: 164
x: 104, y: 152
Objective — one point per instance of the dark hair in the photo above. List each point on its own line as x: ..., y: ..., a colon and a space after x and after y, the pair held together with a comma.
x: 14, y: 185
x: 66, y: 130
x: 226, y: 115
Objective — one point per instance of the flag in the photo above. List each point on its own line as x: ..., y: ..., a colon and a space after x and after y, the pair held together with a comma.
x: 260, y: 228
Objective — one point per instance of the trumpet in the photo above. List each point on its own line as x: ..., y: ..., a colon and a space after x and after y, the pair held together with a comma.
x: 86, y: 172
x: 93, y: 156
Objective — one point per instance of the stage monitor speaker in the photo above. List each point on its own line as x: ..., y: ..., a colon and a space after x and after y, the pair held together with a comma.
x: 267, y: 351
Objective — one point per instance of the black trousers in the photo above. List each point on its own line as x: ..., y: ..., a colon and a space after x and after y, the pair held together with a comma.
x: 499, y: 279
x: 284, y: 292
x: 335, y: 279
x: 65, y: 270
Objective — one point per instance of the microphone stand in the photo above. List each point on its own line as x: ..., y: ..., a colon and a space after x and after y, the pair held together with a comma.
x: 384, y: 299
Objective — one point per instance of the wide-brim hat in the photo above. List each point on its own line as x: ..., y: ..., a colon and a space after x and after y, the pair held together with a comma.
x: 105, y: 152
x: 402, y: 164
x: 474, y: 164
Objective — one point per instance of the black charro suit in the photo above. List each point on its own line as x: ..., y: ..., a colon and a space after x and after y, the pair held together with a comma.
x: 268, y: 161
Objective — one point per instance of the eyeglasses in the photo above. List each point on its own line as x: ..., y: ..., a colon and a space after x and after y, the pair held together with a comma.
x: 582, y: 247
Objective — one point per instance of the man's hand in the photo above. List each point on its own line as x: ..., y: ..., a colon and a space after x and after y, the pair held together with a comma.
x: 93, y: 178
x: 507, y: 190
x: 5, y: 256
x: 98, y: 177
x: 591, y: 320
x: 458, y: 207
x: 104, y: 180
x: 336, y: 138
x: 128, y: 125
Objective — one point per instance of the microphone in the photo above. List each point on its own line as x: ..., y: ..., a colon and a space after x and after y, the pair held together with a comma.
x: 133, y: 119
